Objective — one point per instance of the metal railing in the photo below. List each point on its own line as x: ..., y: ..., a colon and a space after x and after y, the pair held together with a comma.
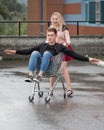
x: 41, y: 24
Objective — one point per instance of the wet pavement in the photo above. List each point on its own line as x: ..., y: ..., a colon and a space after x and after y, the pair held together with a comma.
x: 83, y: 111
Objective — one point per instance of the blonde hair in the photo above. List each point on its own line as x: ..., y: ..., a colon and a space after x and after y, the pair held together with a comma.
x: 61, y: 20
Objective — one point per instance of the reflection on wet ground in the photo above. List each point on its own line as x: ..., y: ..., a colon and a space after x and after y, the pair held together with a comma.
x: 83, y: 111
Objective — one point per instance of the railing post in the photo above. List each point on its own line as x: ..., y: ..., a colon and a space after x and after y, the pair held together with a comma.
x: 77, y: 27
x: 48, y: 23
x: 19, y: 24
x: 41, y: 17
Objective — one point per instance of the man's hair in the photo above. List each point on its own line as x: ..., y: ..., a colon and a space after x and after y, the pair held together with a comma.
x: 51, y: 29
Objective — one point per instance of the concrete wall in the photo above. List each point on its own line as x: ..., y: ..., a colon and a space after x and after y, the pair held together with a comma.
x: 83, y: 45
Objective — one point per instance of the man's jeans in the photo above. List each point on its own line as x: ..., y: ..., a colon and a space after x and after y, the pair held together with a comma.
x: 35, y: 57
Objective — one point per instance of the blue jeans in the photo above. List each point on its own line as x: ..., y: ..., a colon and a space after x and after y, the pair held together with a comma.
x: 35, y: 57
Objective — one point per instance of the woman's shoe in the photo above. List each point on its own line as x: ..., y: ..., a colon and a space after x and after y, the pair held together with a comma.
x: 50, y: 93
x: 69, y: 93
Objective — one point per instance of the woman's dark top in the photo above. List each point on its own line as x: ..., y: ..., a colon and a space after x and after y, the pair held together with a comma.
x: 54, y: 50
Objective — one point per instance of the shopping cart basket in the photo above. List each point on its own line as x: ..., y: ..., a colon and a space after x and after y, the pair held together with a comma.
x: 52, y: 70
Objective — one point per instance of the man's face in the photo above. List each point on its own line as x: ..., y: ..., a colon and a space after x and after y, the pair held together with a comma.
x: 51, y: 37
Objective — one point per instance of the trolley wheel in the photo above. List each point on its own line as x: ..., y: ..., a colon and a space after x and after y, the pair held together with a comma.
x: 31, y: 98
x: 47, y: 99
x: 40, y: 93
x: 64, y: 95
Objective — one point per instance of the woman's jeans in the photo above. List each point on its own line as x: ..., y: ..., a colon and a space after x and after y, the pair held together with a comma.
x: 35, y: 57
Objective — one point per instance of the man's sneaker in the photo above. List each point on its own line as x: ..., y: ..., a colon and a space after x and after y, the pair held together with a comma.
x: 38, y: 78
x: 29, y: 78
x: 69, y: 93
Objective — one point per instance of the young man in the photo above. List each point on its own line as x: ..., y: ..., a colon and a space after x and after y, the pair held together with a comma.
x: 45, y: 51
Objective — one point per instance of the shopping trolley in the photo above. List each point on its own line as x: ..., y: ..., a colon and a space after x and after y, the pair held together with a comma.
x: 52, y: 70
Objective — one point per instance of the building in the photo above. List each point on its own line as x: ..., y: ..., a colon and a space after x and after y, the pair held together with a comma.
x: 84, y: 17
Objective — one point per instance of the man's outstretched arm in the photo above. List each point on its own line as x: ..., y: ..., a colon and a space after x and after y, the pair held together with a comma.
x: 77, y: 56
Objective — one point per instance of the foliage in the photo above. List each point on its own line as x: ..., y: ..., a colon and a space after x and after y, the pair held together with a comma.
x: 11, y: 10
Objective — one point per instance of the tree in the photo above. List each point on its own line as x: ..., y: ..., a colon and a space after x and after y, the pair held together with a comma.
x: 11, y: 10
x: 3, y: 10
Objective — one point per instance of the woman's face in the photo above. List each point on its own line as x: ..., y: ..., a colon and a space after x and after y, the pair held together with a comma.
x: 55, y: 20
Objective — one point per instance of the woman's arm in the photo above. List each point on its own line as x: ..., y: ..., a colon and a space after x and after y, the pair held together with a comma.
x: 67, y: 37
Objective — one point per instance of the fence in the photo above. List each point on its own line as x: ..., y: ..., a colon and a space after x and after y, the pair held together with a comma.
x: 86, y: 45
x: 19, y: 28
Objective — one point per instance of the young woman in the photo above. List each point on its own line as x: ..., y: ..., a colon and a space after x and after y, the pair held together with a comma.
x: 63, y: 37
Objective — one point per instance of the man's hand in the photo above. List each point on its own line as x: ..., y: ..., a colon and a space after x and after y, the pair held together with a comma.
x: 93, y: 60
x: 9, y: 52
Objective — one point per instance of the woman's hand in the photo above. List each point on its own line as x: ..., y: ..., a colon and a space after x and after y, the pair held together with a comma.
x: 65, y: 44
